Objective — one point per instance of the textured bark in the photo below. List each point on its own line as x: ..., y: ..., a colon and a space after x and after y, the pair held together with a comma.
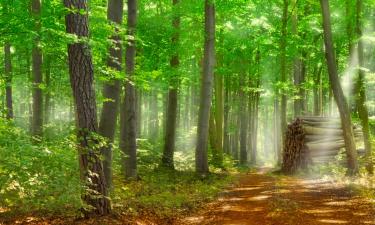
x: 37, y: 60
x: 338, y: 94
x: 201, y: 159
x: 8, y: 81
x: 111, y: 89
x: 170, y: 130
x: 361, y: 95
x: 128, y: 133
x: 81, y: 79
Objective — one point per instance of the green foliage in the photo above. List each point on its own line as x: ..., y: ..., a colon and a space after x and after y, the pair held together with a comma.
x: 166, y: 192
x: 40, y: 177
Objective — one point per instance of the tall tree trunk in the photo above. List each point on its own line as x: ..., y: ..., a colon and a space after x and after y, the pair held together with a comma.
x: 8, y: 81
x: 47, y: 97
x: 226, y: 141
x: 361, y: 88
x: 154, y: 117
x: 219, y: 119
x: 128, y: 134
x: 37, y: 60
x: 317, y: 92
x: 338, y: 94
x: 244, y: 111
x: 201, y: 159
x: 82, y: 78
x: 138, y: 111
x: 111, y: 88
x: 276, y: 130
x: 283, y: 71
x: 297, y: 64
x: 170, y: 132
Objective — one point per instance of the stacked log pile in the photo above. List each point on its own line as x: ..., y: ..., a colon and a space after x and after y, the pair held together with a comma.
x: 322, y: 139
x: 293, y: 155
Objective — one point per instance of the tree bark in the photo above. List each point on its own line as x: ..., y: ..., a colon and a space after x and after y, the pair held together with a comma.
x: 111, y: 88
x: 8, y: 81
x: 128, y: 143
x: 37, y: 60
x: 82, y: 79
x: 361, y: 88
x: 201, y: 159
x: 338, y: 94
x: 170, y: 132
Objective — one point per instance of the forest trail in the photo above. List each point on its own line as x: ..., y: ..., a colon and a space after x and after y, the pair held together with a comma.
x: 262, y: 199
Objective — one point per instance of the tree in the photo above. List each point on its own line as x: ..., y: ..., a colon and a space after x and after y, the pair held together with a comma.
x: 201, y: 159
x: 283, y: 71
x: 81, y: 79
x: 170, y: 133
x: 111, y: 88
x: 8, y: 81
x: 128, y: 133
x: 361, y: 90
x: 346, y: 120
x: 37, y: 60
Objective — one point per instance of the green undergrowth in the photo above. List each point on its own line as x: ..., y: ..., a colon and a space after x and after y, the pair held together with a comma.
x: 167, y: 193
x: 41, y: 177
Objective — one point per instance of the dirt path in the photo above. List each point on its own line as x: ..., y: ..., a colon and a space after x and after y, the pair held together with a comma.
x: 261, y: 199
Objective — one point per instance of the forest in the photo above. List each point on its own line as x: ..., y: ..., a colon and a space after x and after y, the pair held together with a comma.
x: 187, y: 112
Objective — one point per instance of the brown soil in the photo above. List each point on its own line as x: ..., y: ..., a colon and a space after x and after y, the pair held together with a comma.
x: 257, y: 199
x: 261, y: 199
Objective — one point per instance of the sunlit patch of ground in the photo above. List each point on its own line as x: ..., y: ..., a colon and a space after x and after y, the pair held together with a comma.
x: 261, y: 200
x: 329, y: 221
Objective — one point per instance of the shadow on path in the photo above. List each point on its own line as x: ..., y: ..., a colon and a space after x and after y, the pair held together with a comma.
x: 262, y: 199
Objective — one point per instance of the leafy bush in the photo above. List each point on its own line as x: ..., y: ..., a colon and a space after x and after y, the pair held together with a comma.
x: 41, y: 177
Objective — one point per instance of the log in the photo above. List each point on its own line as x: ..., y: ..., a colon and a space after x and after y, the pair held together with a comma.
x: 319, y: 119
x: 315, y: 138
x: 323, y: 124
x: 322, y: 131
x: 324, y: 146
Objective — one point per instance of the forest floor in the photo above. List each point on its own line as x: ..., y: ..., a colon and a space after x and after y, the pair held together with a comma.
x: 264, y: 199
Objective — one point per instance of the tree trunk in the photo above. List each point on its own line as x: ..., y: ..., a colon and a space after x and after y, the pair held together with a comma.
x: 47, y: 97
x: 283, y: 106
x: 37, y: 60
x: 201, y: 159
x: 226, y: 141
x: 82, y: 78
x: 297, y: 64
x: 342, y: 104
x: 8, y: 81
x: 111, y: 88
x: 361, y: 88
x: 154, y: 117
x: 219, y: 119
x: 317, y: 93
x: 128, y: 143
x: 244, y: 123
x: 170, y: 132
